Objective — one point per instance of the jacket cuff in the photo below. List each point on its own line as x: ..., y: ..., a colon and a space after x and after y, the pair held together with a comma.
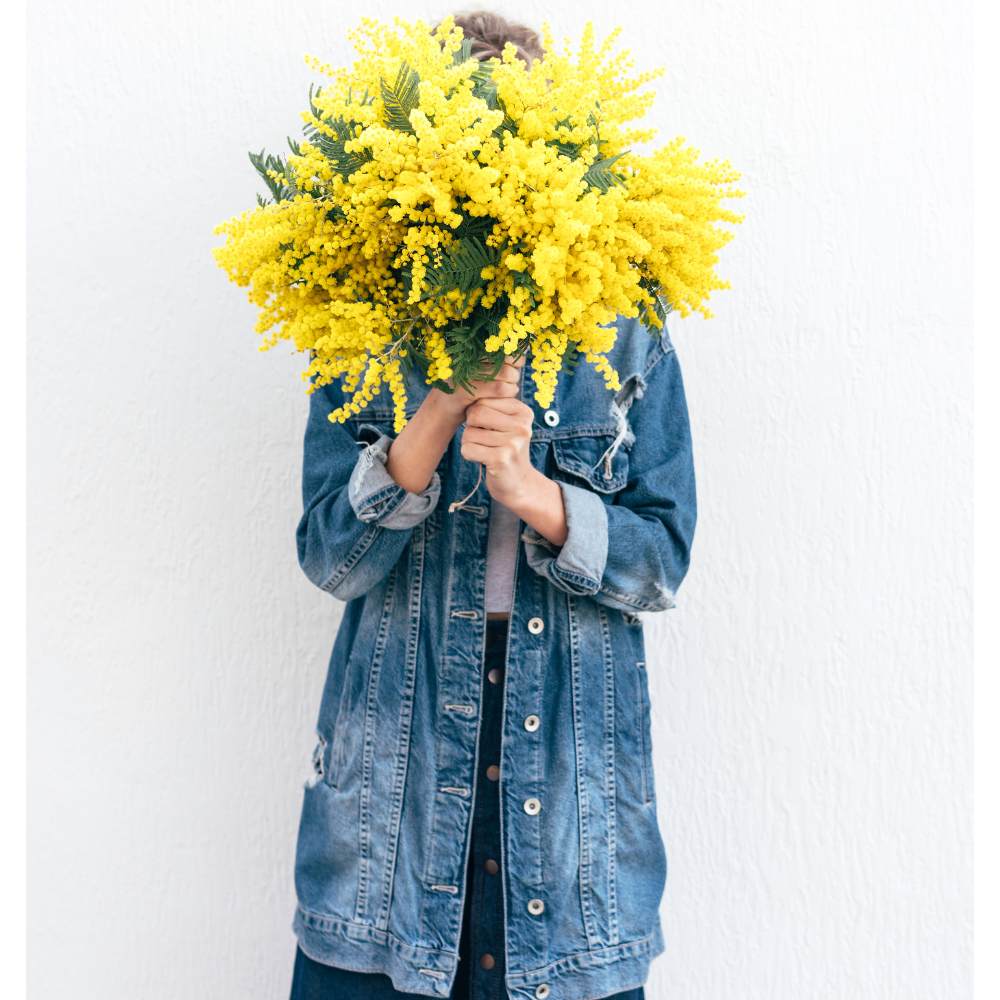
x: 578, y: 564
x: 378, y: 499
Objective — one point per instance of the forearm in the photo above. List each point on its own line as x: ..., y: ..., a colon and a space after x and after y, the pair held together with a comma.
x: 633, y: 552
x: 539, y: 503
x: 417, y: 449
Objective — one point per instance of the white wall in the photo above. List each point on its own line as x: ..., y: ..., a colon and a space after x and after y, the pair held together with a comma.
x: 811, y: 691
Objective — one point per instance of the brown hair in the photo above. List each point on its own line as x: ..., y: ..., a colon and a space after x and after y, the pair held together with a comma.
x: 489, y: 32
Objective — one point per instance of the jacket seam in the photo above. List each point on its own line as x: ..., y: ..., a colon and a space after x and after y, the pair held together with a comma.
x: 325, y: 923
x: 610, y: 776
x: 627, y: 599
x: 377, y: 495
x: 354, y: 556
x: 416, y: 569
x: 367, y: 765
x: 663, y: 348
x: 587, y: 958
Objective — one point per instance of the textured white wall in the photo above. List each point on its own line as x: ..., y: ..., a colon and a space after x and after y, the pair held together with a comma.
x: 812, y: 690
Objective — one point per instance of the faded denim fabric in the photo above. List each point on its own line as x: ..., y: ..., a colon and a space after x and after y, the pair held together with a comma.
x: 385, y: 829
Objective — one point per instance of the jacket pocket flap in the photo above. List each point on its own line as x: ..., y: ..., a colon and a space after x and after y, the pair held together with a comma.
x: 589, y: 457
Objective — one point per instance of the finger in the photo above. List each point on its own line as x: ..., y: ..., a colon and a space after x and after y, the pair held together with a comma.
x: 510, y: 373
x: 507, y: 373
x: 493, y: 420
x: 509, y: 366
x: 503, y: 383
x: 498, y: 389
x: 489, y: 437
x: 473, y: 452
x: 498, y: 412
x: 502, y: 404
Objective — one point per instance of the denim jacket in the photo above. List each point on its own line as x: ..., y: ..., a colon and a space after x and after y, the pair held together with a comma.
x: 385, y: 826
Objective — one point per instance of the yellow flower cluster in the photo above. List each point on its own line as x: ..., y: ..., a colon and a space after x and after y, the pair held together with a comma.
x: 441, y: 210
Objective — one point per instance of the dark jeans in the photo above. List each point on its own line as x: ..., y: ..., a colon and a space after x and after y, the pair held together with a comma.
x: 480, y: 973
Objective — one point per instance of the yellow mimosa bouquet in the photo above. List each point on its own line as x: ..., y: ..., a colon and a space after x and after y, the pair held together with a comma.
x: 444, y: 212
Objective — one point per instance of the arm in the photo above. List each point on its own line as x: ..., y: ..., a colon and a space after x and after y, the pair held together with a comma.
x: 357, y: 518
x: 417, y: 449
x: 632, y: 554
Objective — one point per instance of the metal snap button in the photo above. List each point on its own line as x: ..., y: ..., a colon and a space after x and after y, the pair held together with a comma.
x: 493, y: 772
x: 495, y: 675
x: 488, y: 961
x: 551, y: 417
x: 536, y: 907
x: 535, y: 625
x: 532, y: 806
x: 542, y: 990
x: 532, y: 722
x: 491, y: 866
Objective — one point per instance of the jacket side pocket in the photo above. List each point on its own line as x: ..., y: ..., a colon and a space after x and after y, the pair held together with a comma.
x: 645, y: 733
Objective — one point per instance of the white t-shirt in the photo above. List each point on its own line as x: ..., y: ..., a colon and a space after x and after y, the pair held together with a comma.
x: 501, y: 556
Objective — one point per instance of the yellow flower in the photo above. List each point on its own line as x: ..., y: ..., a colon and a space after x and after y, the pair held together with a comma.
x: 430, y: 215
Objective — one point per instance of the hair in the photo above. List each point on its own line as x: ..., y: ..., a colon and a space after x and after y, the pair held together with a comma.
x: 489, y: 33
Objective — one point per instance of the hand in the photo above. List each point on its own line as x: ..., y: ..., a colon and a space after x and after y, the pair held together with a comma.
x: 506, y: 385
x: 417, y: 449
x: 498, y: 434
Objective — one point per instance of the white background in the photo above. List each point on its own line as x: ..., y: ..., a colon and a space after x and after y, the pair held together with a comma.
x: 811, y: 692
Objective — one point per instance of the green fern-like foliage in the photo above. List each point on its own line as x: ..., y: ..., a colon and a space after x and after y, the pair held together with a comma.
x: 280, y: 190
x: 462, y: 267
x: 600, y: 175
x: 660, y: 307
x: 400, y: 99
x: 332, y: 146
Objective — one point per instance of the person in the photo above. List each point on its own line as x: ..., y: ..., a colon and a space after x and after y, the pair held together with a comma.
x: 480, y: 818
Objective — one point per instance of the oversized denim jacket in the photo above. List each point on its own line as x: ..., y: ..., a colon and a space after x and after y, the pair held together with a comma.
x: 385, y: 826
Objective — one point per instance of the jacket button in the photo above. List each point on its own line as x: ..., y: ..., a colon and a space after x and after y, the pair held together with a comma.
x: 551, y: 417
x: 535, y: 625
x: 491, y: 866
x: 488, y: 961
x: 495, y: 675
x: 532, y: 806
x: 532, y: 722
x: 542, y: 991
x: 493, y: 772
x: 536, y: 907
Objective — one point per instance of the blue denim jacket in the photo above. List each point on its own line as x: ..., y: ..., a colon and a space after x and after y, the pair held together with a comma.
x: 385, y: 824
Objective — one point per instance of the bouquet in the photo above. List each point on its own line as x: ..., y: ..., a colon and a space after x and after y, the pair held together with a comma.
x: 443, y: 212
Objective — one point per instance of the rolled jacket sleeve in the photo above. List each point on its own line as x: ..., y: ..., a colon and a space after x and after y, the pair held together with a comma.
x: 578, y: 564
x: 356, y: 519
x: 377, y: 498
x: 632, y: 551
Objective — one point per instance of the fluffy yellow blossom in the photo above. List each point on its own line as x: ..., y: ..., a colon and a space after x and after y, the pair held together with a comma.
x: 440, y: 210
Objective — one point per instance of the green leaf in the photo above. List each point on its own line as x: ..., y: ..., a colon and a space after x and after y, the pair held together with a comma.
x: 262, y: 163
x: 461, y: 266
x: 660, y: 307
x: 400, y: 99
x: 479, y: 226
x: 570, y: 149
x: 507, y: 125
x: 600, y: 175
x: 462, y: 54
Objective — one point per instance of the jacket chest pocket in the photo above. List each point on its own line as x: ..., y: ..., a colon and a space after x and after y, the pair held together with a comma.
x: 598, y: 459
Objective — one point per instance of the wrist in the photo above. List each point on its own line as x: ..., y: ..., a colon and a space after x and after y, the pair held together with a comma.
x: 445, y: 408
x: 538, y: 502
